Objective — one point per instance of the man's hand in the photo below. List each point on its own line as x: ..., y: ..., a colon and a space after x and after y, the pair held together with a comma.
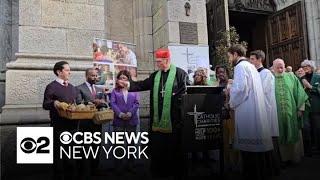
x: 227, y: 90
x: 300, y: 113
x: 123, y: 83
x: 98, y: 101
x: 56, y: 104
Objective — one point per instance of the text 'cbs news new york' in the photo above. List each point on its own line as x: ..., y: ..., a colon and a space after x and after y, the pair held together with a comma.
x: 35, y: 145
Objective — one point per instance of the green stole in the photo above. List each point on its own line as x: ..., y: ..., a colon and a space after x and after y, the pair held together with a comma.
x: 164, y: 124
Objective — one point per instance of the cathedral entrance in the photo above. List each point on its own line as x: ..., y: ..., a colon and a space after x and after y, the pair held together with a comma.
x: 281, y: 34
x: 251, y: 28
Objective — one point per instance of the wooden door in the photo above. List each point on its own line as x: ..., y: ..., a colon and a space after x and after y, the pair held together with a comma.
x: 287, y: 35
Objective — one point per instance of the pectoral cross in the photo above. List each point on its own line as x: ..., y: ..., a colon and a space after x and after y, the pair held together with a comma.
x: 162, y: 92
x: 162, y: 87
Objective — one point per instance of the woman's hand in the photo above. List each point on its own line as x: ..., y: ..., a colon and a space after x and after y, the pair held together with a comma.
x: 306, y: 84
x: 125, y: 116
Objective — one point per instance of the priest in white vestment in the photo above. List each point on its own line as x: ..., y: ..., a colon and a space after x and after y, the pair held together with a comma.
x: 257, y: 58
x: 252, y: 129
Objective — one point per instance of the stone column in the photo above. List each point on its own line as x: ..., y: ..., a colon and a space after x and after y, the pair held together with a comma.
x: 313, y: 25
x: 142, y: 24
x: 166, y: 18
x: 8, y: 42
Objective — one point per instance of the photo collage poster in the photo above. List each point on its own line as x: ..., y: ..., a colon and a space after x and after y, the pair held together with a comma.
x: 110, y: 57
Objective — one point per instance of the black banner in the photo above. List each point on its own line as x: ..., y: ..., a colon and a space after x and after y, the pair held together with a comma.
x: 202, y: 123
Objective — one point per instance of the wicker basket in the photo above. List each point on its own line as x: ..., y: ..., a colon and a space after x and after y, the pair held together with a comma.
x: 77, y: 115
x: 101, y: 117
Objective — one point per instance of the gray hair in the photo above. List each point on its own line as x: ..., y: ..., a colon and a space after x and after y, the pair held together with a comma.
x: 310, y: 63
x: 277, y: 61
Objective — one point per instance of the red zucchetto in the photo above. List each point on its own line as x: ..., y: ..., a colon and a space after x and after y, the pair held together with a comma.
x: 162, y: 53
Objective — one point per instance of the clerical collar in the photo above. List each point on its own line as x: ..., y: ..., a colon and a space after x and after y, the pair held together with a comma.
x: 239, y: 61
x: 165, y: 71
x: 260, y: 69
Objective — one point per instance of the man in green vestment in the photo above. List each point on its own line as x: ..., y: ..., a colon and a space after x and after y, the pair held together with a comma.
x: 166, y: 87
x: 291, y: 99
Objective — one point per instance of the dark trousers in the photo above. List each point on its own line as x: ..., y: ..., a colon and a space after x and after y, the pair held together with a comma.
x: 275, y: 157
x: 63, y: 169
x: 86, y: 167
x: 306, y: 134
x: 167, y: 158
x: 315, y: 128
x: 120, y: 164
x: 256, y: 165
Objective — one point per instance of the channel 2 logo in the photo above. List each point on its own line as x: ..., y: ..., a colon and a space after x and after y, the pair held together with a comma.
x: 34, y: 145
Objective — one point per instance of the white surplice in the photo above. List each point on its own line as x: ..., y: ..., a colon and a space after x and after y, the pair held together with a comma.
x: 252, y: 129
x: 268, y: 84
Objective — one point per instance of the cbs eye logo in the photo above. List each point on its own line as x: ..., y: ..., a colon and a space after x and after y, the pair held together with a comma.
x: 65, y: 137
x: 34, y: 145
x: 29, y: 145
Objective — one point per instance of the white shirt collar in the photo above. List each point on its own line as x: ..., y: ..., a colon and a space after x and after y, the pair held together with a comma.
x: 89, y: 86
x: 125, y: 95
x: 60, y: 81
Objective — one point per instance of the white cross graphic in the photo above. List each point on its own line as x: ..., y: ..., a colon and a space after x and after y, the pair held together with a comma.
x: 195, y: 115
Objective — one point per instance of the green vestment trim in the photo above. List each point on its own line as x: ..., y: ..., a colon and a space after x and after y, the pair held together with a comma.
x: 164, y: 124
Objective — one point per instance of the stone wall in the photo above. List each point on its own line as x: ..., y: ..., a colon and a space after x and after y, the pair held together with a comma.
x: 43, y: 32
x: 120, y: 20
x: 131, y: 21
x: 142, y: 37
x: 60, y: 27
x: 49, y: 31
x: 166, y: 18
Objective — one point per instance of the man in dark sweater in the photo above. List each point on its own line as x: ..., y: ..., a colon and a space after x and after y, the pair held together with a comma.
x: 60, y: 90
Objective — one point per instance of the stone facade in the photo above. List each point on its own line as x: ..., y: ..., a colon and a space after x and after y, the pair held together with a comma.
x: 47, y: 31
x: 166, y: 18
x: 67, y: 27
x: 38, y: 33
x: 50, y: 30
x: 43, y: 32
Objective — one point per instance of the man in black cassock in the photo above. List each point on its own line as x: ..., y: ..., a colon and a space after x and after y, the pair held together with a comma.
x: 166, y: 87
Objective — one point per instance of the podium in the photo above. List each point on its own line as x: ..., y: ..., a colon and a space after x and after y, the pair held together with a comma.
x: 202, y: 124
